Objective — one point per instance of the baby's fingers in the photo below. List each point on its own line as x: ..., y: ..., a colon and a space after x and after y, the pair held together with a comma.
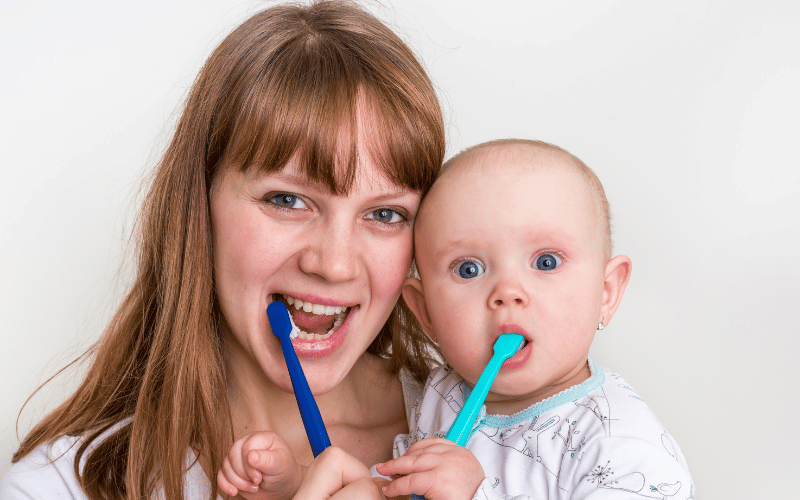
x: 409, y: 464
x: 419, y: 483
x: 231, y: 483
x: 431, y: 445
x: 257, y: 464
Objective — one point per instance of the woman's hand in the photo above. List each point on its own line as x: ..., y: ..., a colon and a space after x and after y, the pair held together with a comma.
x: 335, y: 474
x: 436, y: 468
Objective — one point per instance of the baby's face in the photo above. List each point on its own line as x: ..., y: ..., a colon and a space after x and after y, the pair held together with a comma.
x: 510, y: 246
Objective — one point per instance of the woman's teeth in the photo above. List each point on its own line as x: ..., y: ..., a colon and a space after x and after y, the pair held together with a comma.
x: 313, y: 308
x: 317, y: 309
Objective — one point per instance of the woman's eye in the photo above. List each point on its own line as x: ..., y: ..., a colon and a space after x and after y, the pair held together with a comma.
x: 387, y: 216
x: 547, y: 262
x: 469, y: 269
x: 285, y: 200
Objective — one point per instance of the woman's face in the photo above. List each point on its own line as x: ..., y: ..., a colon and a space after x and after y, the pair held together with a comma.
x: 340, y: 259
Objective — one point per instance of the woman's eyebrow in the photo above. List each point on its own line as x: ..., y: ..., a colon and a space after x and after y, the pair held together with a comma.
x: 289, y: 178
x: 390, y: 192
x: 393, y: 195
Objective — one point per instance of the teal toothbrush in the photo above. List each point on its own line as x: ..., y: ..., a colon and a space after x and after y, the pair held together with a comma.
x: 505, y: 346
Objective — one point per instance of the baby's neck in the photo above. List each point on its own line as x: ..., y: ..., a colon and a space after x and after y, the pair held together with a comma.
x: 508, y: 405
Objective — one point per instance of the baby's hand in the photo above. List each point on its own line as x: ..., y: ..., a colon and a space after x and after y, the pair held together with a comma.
x: 436, y: 468
x: 260, y: 466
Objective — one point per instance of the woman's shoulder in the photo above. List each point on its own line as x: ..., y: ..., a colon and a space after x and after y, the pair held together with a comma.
x: 49, y: 472
x: 46, y: 472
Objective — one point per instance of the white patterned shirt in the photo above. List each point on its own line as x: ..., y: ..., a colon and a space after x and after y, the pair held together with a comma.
x: 596, y: 440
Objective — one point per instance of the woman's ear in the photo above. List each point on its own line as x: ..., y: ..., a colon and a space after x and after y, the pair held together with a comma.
x: 618, y: 273
x: 415, y: 300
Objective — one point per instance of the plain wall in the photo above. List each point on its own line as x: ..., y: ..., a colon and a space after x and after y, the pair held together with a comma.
x: 687, y: 110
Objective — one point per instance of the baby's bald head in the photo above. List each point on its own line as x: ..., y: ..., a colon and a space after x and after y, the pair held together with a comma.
x: 537, y: 154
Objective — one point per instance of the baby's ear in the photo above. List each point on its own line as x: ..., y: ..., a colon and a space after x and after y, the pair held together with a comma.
x: 415, y: 300
x: 618, y: 273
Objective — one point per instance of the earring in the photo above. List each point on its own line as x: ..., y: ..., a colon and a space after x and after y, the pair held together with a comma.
x: 601, y: 326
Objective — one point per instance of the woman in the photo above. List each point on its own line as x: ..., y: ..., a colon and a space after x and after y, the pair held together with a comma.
x: 294, y: 174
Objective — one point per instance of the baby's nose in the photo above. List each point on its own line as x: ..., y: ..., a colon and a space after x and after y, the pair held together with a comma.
x: 508, y: 293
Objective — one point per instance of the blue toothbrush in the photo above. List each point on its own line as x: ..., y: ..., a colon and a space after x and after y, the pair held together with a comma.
x: 505, y: 346
x: 281, y: 325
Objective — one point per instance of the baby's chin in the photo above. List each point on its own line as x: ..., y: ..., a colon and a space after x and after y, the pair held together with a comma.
x: 500, y: 402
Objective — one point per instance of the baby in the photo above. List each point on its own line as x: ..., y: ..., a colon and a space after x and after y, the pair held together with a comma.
x: 514, y: 237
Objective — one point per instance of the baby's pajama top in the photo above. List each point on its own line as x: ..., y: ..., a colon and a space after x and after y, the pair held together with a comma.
x: 596, y: 440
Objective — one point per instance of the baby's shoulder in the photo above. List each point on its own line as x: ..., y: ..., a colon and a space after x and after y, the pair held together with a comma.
x: 621, y: 417
x: 620, y: 405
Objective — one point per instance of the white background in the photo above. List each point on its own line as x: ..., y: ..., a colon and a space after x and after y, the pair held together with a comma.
x: 688, y: 110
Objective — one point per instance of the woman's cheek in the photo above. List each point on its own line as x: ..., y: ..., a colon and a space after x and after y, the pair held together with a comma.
x: 391, y: 269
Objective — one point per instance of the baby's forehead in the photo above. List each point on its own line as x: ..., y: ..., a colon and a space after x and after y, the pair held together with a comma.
x: 495, y: 167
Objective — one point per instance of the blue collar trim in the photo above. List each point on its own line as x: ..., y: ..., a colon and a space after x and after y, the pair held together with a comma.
x: 566, y: 396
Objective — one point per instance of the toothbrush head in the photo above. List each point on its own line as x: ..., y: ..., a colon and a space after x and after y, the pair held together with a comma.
x: 507, y: 345
x: 280, y: 320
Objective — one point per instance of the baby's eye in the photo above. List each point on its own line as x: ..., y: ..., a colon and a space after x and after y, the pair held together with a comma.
x: 547, y: 262
x: 387, y: 216
x: 469, y: 269
x: 285, y: 200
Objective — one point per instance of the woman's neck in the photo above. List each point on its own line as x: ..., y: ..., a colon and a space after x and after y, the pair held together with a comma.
x: 368, y: 400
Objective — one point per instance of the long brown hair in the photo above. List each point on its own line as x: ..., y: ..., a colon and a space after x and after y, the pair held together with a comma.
x: 286, y: 82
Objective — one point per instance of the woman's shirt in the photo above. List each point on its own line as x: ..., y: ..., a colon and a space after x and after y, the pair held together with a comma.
x: 48, y: 471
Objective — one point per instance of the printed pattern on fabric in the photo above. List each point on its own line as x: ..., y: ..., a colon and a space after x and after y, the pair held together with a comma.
x: 596, y: 440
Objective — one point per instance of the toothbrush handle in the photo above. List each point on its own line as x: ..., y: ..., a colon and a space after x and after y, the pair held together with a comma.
x: 312, y: 420
x: 459, y: 431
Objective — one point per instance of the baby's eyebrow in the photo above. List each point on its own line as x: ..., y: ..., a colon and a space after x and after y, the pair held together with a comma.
x: 453, y: 247
x: 555, y: 236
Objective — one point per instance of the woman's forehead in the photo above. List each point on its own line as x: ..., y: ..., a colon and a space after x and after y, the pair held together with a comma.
x: 366, y: 176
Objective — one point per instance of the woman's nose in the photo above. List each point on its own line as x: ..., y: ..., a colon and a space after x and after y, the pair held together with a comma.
x: 332, y: 253
x: 507, y: 293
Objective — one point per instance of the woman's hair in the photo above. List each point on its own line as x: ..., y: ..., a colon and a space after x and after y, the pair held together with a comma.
x: 290, y: 81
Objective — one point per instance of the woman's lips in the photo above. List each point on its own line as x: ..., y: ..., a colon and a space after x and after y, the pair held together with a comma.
x: 323, y: 323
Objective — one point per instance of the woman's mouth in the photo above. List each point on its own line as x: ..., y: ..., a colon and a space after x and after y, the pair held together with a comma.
x: 315, y: 321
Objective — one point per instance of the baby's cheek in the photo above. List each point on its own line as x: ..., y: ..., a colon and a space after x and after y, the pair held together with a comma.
x: 465, y: 357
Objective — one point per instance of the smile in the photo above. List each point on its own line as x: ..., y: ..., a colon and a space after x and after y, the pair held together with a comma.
x: 314, y: 321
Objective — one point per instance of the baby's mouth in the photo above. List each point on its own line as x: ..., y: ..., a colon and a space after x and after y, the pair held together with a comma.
x: 314, y: 321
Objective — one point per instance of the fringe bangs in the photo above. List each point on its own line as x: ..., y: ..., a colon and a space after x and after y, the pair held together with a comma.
x: 314, y: 101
